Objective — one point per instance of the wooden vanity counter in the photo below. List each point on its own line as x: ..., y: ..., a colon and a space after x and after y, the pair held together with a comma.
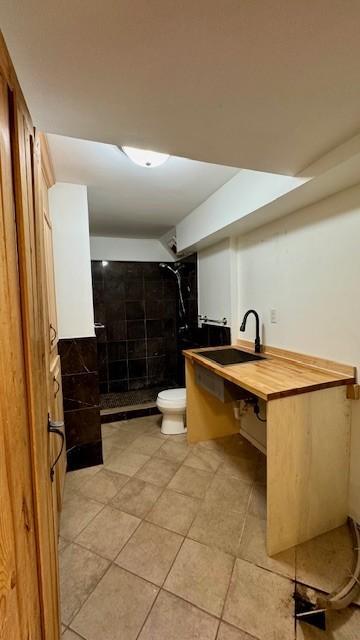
x: 277, y: 376
x: 305, y: 436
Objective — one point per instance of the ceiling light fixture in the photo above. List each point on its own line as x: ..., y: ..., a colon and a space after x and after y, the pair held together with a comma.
x: 145, y: 157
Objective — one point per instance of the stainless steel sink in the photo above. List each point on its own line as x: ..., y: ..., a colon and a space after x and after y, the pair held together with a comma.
x: 229, y: 356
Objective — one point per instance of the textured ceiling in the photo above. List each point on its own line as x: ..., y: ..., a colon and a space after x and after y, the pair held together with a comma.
x: 261, y: 85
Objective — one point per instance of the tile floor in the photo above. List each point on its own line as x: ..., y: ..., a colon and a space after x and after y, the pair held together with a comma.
x: 166, y: 541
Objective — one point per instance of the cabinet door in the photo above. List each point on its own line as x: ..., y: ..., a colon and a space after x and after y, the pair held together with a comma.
x: 58, y: 446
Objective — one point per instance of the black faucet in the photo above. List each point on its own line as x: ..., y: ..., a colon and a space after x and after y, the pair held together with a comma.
x: 243, y: 325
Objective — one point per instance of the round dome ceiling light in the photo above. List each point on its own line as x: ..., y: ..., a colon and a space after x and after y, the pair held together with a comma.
x: 145, y: 157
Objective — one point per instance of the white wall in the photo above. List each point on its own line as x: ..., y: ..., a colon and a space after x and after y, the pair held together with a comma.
x: 246, y: 192
x: 70, y: 221
x: 215, y: 281
x: 133, y: 249
x: 307, y: 267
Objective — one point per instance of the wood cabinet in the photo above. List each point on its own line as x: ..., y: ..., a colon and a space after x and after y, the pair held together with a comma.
x: 306, y: 438
x: 29, y: 593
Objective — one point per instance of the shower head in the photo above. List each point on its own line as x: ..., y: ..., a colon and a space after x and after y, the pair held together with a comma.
x: 164, y: 265
x: 177, y: 266
x: 176, y: 272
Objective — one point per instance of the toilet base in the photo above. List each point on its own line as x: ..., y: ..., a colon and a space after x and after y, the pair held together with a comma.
x: 173, y: 424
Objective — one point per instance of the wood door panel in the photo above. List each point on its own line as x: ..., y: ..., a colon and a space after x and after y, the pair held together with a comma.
x: 32, y: 273
x: 19, y: 587
x: 49, y: 270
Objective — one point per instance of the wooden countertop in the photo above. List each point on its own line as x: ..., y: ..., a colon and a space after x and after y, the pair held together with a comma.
x: 276, y: 376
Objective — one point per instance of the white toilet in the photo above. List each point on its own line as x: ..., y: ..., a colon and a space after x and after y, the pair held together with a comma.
x: 172, y: 404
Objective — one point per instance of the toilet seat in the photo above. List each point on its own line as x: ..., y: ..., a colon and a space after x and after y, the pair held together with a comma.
x: 173, y: 397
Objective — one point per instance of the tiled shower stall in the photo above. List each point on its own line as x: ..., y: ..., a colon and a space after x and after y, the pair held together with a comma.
x: 140, y: 336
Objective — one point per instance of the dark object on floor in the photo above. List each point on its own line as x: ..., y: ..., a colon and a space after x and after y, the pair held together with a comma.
x: 342, y: 597
x: 307, y: 612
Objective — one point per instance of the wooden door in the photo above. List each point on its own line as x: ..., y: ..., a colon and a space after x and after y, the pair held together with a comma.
x: 20, y: 599
x: 32, y: 282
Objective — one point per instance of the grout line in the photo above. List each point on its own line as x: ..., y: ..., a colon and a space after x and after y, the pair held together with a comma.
x: 251, y: 492
x: 161, y: 588
x: 72, y: 631
x: 228, y: 589
x: 196, y: 606
x: 87, y: 524
x: 149, y: 612
x: 91, y: 592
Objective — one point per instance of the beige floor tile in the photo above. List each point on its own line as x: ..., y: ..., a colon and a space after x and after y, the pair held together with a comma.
x: 150, y: 552
x: 137, y: 497
x: 126, y: 462
x: 325, y: 561
x: 238, y: 446
x: 108, y: 532
x: 109, y: 429
x: 70, y: 635
x: 146, y: 444
x: 138, y: 425
x: 104, y: 485
x: 220, y: 528
x: 243, y: 468
x: 174, y: 511
x: 80, y: 571
x: 192, y: 482
x: 74, y: 480
x: 218, y: 444
x: 158, y: 471
x: 227, y: 492
x: 62, y: 543
x: 201, y: 575
x: 175, y: 451
x: 76, y: 513
x: 226, y: 632
x: 253, y: 549
x: 201, y: 458
x: 180, y: 437
x: 257, y: 504
x: 173, y: 619
x: 122, y: 439
x: 108, y: 448
x: 260, y: 603
x: 117, y: 608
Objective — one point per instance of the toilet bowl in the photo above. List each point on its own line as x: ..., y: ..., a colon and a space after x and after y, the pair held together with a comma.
x: 172, y: 404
